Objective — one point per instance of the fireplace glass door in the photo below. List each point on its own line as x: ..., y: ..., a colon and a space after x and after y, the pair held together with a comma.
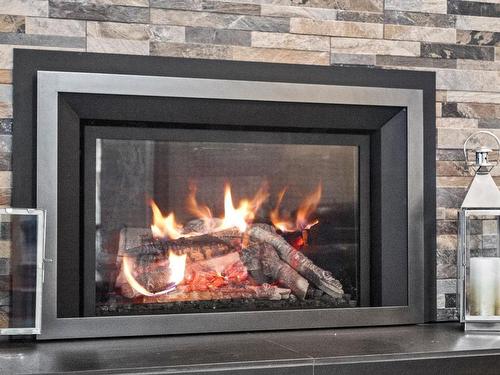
x: 191, y: 220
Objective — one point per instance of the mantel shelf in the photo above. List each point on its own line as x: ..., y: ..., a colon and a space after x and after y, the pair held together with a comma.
x: 440, y: 348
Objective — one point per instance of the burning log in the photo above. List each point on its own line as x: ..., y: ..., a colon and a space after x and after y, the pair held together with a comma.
x: 276, y: 269
x: 153, y: 279
x: 265, y: 291
x: 150, y: 254
x: 150, y: 259
x: 197, y: 248
x: 218, y: 263
x: 265, y: 265
x: 321, y: 278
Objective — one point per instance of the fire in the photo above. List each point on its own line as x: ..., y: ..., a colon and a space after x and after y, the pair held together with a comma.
x: 283, y: 224
x: 235, y: 216
x: 164, y: 226
x: 176, y: 269
x: 307, y: 207
x: 200, y: 211
x: 245, y: 213
x: 302, y: 219
x: 239, y: 217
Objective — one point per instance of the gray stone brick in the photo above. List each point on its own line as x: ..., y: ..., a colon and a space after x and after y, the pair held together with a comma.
x: 415, y: 61
x: 419, y: 19
x: 446, y: 286
x: 449, y: 154
x: 5, y: 161
x: 359, y: 5
x: 190, y: 50
x: 429, y: 6
x: 218, y: 36
x: 473, y: 8
x: 219, y: 21
x: 97, y: 12
x: 42, y: 40
x: 448, y: 315
x: 446, y: 227
x: 450, y: 300
x: 456, y: 51
x: 478, y: 38
x: 4, y: 266
x: 208, y: 6
x: 360, y: 17
x: 450, y: 197
x: 352, y: 59
x: 6, y: 126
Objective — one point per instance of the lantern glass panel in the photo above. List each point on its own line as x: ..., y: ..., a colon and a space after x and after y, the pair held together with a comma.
x: 479, y: 262
x: 22, y: 238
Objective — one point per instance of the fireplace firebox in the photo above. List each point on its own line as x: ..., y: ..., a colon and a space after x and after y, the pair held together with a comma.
x: 248, y: 222
x: 190, y: 196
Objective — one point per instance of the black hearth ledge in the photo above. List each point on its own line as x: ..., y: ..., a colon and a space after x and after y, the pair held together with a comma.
x: 438, y: 348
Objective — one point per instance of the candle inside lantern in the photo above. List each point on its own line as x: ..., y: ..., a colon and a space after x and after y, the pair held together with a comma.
x: 483, y: 285
x: 497, y: 304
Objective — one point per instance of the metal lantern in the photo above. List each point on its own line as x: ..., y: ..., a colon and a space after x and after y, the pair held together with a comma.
x: 479, y: 246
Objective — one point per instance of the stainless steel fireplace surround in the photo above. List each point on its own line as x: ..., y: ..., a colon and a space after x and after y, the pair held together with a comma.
x: 51, y: 84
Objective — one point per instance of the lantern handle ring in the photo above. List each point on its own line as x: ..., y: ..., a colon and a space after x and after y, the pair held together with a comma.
x: 487, y: 133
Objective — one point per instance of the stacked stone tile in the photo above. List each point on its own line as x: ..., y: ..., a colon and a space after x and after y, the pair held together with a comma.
x: 458, y: 39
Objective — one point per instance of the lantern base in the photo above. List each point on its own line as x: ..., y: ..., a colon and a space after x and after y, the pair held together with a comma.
x: 490, y: 325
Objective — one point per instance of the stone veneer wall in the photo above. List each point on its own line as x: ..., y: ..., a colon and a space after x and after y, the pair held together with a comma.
x: 459, y: 40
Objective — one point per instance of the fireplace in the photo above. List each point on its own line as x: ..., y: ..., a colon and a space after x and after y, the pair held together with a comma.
x: 190, y: 196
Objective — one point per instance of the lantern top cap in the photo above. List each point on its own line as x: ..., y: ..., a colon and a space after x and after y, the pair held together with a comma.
x: 482, y: 163
x: 483, y: 191
x: 483, y: 149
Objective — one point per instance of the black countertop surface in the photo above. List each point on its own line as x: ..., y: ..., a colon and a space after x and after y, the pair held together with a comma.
x: 439, y: 348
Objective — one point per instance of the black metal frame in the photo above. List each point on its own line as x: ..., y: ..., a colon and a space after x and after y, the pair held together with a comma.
x: 27, y: 63
x: 76, y: 270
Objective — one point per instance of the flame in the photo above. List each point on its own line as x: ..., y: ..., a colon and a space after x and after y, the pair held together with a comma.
x: 305, y: 210
x: 164, y: 226
x: 234, y: 217
x: 245, y: 213
x: 307, y: 207
x: 200, y: 211
x: 176, y: 269
x: 283, y: 224
x: 239, y: 217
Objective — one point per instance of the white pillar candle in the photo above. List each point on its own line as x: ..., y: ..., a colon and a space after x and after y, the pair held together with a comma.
x: 497, y: 305
x: 482, y: 284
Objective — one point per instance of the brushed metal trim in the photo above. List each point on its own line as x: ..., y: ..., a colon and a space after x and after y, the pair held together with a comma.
x: 50, y: 84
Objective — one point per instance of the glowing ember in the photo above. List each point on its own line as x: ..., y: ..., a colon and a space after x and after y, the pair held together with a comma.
x: 305, y: 210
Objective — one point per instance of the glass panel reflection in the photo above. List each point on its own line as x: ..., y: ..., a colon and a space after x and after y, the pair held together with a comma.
x: 220, y: 226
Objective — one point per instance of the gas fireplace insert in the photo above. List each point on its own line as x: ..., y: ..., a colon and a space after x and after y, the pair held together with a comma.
x: 191, y: 196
